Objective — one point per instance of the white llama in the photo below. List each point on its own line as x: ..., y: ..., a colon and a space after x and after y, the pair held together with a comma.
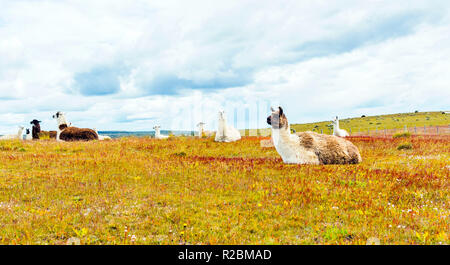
x: 102, y: 137
x: 309, y: 147
x: 336, y: 130
x: 202, y: 131
x: 18, y: 135
x: 28, y: 135
x: 225, y: 132
x: 158, y: 134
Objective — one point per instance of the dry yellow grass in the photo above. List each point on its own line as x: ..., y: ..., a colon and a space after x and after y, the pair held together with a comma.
x: 196, y: 191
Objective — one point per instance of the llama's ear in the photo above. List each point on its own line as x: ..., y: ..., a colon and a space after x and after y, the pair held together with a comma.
x: 281, y: 111
x: 272, y: 109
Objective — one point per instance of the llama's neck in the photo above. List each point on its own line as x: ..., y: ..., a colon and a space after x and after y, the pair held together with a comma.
x: 336, y: 126
x: 62, y: 120
x: 222, y: 126
x: 200, y: 130
x: 157, y: 132
x: 20, y: 132
x: 290, y: 148
x: 281, y: 136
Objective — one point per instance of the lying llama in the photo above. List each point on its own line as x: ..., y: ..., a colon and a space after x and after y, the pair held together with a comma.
x: 27, y: 135
x: 158, y: 134
x: 37, y: 133
x: 66, y: 133
x: 336, y: 130
x: 225, y: 132
x: 202, y: 132
x: 102, y: 137
x: 309, y: 147
x: 18, y: 135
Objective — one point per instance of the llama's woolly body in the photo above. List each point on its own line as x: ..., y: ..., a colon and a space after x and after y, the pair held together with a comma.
x: 202, y: 132
x: 49, y: 134
x: 77, y: 134
x: 225, y: 132
x: 310, y: 147
x: 102, y: 137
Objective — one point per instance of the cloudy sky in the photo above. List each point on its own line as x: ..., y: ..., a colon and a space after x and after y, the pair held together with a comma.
x: 128, y: 65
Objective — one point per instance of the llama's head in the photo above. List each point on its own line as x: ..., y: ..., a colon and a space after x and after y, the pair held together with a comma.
x: 335, y: 121
x: 156, y: 127
x: 201, y: 125
x: 277, y: 119
x: 222, y: 115
x: 60, y: 118
x: 35, y: 122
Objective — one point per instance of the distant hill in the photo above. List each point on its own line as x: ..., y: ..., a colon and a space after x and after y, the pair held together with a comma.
x: 389, y: 121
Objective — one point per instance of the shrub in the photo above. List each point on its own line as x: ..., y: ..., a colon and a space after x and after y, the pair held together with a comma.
x: 402, y: 135
x: 404, y: 146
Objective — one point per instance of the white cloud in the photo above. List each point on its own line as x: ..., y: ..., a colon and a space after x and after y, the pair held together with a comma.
x: 180, y: 61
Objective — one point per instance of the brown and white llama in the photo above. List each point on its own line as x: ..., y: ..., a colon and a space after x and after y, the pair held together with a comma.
x: 309, y: 147
x: 67, y: 133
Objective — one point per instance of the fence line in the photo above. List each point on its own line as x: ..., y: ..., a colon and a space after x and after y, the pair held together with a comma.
x: 421, y: 130
x: 378, y: 132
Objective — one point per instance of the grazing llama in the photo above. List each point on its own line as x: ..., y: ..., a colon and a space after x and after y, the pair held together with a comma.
x: 67, y: 133
x: 18, y: 135
x: 158, y: 134
x: 202, y: 132
x: 309, y: 147
x: 336, y: 130
x: 225, y: 132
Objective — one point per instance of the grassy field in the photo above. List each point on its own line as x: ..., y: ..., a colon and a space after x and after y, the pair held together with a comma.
x: 391, y: 121
x: 196, y: 191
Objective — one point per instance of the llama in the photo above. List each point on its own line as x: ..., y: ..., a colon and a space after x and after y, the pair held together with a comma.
x: 37, y: 133
x: 28, y: 135
x: 309, y: 147
x: 202, y: 132
x: 67, y: 133
x: 18, y: 135
x: 336, y: 130
x: 158, y: 135
x: 102, y: 137
x: 36, y: 129
x: 225, y: 132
